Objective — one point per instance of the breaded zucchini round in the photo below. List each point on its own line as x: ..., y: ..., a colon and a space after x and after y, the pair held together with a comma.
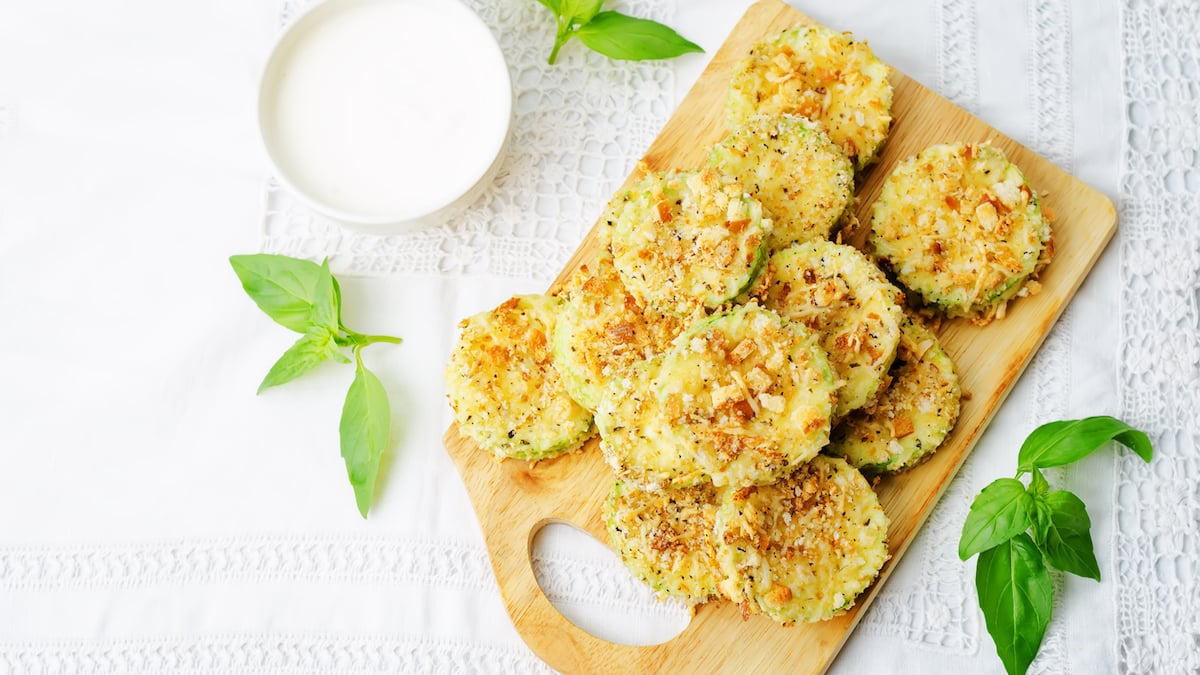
x: 804, y: 548
x: 804, y: 181
x: 685, y: 239
x: 842, y: 296
x: 665, y: 538
x: 912, y: 417
x: 826, y: 76
x: 959, y: 226
x: 506, y: 394
x: 602, y: 329
x: 741, y: 398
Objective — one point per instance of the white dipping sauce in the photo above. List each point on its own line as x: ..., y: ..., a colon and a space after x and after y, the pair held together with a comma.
x: 386, y: 111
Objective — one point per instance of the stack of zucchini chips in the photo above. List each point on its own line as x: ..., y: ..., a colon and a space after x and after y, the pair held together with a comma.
x: 742, y: 369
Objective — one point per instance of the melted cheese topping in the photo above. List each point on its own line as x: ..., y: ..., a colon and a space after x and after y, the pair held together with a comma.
x: 823, y: 75
x: 502, y: 384
x: 959, y: 225
x: 839, y: 294
x: 686, y: 240
x: 739, y: 399
x: 912, y: 417
x: 665, y: 538
x: 804, y: 181
x: 804, y: 548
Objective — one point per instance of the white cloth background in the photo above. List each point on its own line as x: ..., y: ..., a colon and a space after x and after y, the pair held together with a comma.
x: 156, y: 516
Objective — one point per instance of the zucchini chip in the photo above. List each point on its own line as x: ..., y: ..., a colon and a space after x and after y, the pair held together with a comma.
x: 665, y: 538
x: 826, y: 76
x: 803, y: 180
x: 686, y: 240
x: 912, y: 417
x: 741, y: 398
x: 959, y: 226
x: 804, y: 548
x: 602, y: 330
x: 506, y: 394
x: 844, y: 298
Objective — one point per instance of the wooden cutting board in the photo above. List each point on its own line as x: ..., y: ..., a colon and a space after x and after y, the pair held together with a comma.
x: 513, y: 499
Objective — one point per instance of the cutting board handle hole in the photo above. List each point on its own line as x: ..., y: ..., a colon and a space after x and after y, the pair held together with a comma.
x: 587, y: 583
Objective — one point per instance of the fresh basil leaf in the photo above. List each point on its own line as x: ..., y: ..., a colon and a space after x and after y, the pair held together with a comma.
x: 1068, y: 540
x: 286, y: 289
x: 578, y: 11
x: 1041, y: 435
x: 1059, y: 443
x: 999, y: 512
x: 1016, y: 596
x: 628, y: 38
x: 312, y: 348
x: 552, y: 5
x: 366, y: 419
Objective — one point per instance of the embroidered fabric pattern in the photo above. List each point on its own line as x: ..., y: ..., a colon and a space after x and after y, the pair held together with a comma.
x: 376, y: 560
x: 577, y: 129
x: 1050, y: 71
x: 569, y: 580
x: 934, y: 613
x: 279, y: 654
x: 380, y: 561
x: 1054, y: 139
x: 958, y: 62
x: 1158, y: 600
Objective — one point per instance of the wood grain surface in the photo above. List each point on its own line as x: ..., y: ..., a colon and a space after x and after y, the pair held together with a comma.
x: 514, y: 499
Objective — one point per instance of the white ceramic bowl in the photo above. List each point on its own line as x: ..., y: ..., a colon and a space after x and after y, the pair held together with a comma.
x: 386, y: 115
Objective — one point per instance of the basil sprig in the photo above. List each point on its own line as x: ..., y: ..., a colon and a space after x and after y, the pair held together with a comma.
x: 304, y: 297
x: 613, y: 34
x: 1019, y: 532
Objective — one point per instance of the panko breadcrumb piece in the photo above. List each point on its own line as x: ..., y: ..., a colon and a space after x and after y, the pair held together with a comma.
x: 506, y: 393
x: 787, y: 162
x: 602, y: 330
x: 839, y: 294
x: 741, y: 398
x: 826, y: 76
x: 682, y: 240
x: 665, y: 538
x: 805, y: 547
x: 912, y: 417
x: 959, y: 226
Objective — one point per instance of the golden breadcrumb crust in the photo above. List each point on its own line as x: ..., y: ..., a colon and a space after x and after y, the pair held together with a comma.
x: 839, y: 294
x: 506, y: 394
x: 603, y: 329
x: 826, y: 76
x: 665, y: 538
x: 682, y: 240
x: 740, y: 398
x: 804, y: 548
x: 803, y: 180
x: 910, y: 419
x: 959, y: 226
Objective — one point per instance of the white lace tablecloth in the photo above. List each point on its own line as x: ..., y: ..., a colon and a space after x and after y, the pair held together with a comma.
x: 155, y: 515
